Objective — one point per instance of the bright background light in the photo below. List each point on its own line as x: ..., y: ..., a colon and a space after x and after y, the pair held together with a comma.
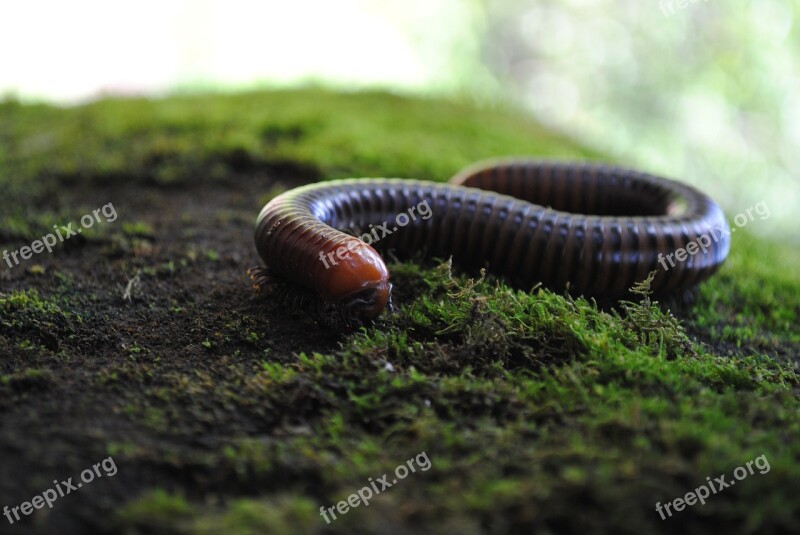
x: 709, y: 93
x: 72, y: 51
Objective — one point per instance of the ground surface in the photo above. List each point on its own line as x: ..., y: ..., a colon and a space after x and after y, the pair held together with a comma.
x: 224, y: 412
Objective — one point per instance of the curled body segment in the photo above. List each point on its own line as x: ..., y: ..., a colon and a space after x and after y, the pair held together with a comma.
x: 592, y: 228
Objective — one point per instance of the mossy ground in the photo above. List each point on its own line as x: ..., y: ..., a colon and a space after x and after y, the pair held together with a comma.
x: 226, y: 413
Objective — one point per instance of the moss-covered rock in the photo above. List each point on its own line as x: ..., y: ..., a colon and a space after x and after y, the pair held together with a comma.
x: 143, y: 341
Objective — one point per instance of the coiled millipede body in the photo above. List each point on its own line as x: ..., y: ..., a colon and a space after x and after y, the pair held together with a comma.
x: 593, y: 229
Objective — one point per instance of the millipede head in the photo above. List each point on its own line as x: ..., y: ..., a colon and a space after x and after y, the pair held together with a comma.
x: 368, y: 303
x: 352, y: 312
x: 358, y: 281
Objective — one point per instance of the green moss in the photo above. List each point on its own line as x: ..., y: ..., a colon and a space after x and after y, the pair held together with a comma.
x: 619, y: 407
x: 27, y: 377
x: 753, y: 301
x: 281, y: 514
x: 156, y: 508
x: 140, y: 229
x: 318, y: 133
x: 37, y: 321
x: 27, y: 301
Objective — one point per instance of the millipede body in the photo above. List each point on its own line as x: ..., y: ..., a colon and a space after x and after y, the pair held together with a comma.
x: 593, y: 229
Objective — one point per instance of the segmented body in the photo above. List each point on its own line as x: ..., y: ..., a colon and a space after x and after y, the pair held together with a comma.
x: 592, y: 228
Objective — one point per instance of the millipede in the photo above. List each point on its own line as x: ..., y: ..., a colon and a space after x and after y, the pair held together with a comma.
x: 588, y: 228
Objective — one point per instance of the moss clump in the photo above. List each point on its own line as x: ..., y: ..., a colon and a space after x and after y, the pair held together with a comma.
x: 27, y: 301
x: 26, y: 316
x: 281, y: 514
x: 27, y: 379
x: 156, y: 509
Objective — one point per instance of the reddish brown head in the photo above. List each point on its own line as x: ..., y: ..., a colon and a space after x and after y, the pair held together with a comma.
x: 356, y: 277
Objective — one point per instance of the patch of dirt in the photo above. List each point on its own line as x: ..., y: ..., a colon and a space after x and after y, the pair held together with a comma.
x: 112, y: 352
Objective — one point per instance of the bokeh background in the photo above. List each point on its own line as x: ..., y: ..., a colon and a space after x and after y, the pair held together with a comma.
x: 704, y: 90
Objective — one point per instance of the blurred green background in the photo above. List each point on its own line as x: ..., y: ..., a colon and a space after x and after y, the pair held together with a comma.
x: 705, y: 90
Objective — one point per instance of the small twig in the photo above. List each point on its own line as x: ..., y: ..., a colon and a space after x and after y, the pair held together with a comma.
x: 133, y: 283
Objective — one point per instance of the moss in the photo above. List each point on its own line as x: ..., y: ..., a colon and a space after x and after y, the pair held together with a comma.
x: 281, y: 514
x: 140, y: 229
x: 27, y: 378
x: 36, y: 321
x: 156, y: 509
x: 753, y: 302
x: 27, y: 301
x: 316, y: 132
